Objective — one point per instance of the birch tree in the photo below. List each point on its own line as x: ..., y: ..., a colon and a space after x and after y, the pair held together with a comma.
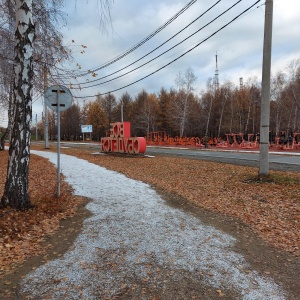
x: 207, y: 102
x: 181, y: 107
x: 16, y: 187
x: 277, y: 86
x: 224, y: 93
x: 294, y: 91
x: 48, y: 45
x: 149, y: 113
x: 6, y: 61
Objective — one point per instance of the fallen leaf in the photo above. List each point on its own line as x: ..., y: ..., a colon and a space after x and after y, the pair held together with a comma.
x: 221, y: 294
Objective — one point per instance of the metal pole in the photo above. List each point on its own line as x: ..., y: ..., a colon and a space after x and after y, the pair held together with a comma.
x: 46, y: 128
x: 265, y: 99
x: 122, y: 120
x: 46, y: 136
x: 36, y: 127
x: 58, y: 144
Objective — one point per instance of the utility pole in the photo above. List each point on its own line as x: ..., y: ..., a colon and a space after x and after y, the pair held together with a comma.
x: 36, y: 131
x: 122, y: 113
x: 265, y: 92
x: 46, y: 136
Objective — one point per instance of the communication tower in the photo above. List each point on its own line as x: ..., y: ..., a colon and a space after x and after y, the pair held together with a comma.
x: 241, y: 83
x: 216, y: 73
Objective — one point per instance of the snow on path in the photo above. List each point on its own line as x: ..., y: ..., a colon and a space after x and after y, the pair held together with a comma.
x: 131, y: 221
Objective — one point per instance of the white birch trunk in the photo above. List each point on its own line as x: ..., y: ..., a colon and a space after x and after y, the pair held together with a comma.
x: 16, y: 186
x: 208, y: 115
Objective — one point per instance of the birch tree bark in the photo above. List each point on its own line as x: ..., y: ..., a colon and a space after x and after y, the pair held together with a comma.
x: 16, y: 186
x: 208, y: 98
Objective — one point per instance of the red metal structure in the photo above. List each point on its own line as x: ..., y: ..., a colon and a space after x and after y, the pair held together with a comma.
x: 232, y: 140
x: 161, y: 138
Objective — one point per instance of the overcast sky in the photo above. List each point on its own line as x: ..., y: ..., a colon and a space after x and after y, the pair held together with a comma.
x: 239, y: 46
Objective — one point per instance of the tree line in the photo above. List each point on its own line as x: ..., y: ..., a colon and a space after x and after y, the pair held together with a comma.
x: 181, y: 112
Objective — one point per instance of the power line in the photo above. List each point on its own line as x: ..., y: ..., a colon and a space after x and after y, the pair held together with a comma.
x: 84, y: 73
x: 139, y: 44
x: 197, y: 45
x: 207, y: 24
x: 210, y: 8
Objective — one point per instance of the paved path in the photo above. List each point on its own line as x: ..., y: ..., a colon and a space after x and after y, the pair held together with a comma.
x: 134, y: 237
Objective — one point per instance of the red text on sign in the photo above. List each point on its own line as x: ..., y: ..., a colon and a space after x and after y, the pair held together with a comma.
x: 120, y: 141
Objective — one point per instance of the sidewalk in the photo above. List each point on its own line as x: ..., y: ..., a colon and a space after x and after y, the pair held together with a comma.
x: 134, y: 243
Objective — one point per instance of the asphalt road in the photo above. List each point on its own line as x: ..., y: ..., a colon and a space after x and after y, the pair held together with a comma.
x: 278, y: 161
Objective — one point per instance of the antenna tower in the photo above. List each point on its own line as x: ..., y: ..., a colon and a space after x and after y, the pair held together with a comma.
x: 241, y: 83
x: 217, y: 74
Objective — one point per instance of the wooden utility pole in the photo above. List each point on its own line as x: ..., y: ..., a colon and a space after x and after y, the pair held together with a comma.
x: 265, y: 92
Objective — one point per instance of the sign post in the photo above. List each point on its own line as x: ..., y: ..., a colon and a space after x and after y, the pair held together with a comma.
x: 86, y: 128
x: 58, y: 139
x: 58, y: 98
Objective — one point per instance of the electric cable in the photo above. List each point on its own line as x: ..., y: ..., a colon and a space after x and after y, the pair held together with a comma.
x: 139, y: 44
x: 197, y: 45
x: 207, y: 24
x: 210, y: 8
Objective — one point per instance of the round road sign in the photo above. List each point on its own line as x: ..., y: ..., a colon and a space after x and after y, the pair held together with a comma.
x: 58, y: 96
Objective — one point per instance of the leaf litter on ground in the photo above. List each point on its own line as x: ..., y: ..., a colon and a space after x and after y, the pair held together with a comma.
x: 270, y: 207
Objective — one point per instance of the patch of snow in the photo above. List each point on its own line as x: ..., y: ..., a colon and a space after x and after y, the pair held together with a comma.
x: 132, y: 221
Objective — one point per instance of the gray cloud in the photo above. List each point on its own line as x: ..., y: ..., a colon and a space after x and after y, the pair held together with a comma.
x: 239, y: 45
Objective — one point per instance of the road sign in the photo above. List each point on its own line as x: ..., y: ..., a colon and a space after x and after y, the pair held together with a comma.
x: 58, y: 98
x: 58, y: 95
x: 86, y: 128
